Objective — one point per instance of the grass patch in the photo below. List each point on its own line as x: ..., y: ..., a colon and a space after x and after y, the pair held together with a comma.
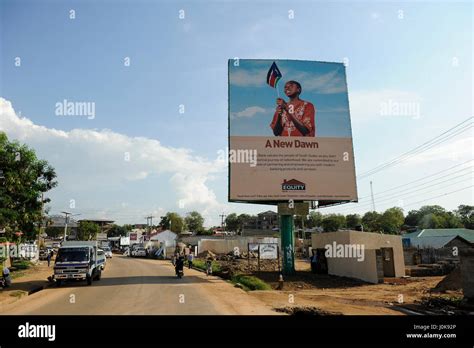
x: 15, y: 275
x: 251, y: 282
x: 18, y: 293
x: 201, y: 264
x: 21, y: 264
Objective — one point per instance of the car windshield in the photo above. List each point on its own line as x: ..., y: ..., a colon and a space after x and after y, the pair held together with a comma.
x: 72, y: 255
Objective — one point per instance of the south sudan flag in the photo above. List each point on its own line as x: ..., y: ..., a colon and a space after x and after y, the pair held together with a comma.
x: 273, y: 75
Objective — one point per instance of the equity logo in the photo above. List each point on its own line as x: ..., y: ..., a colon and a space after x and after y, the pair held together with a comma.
x: 37, y: 331
x: 293, y: 185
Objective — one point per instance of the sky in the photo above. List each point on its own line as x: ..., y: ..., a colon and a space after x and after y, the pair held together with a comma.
x: 154, y: 75
x: 252, y: 101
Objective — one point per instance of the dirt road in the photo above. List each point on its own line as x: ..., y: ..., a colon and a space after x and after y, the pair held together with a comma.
x: 141, y: 286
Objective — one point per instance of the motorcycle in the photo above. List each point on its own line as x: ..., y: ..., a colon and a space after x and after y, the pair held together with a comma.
x: 179, y: 268
x: 6, y: 280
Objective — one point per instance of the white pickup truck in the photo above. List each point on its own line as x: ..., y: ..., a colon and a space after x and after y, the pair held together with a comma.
x: 78, y: 260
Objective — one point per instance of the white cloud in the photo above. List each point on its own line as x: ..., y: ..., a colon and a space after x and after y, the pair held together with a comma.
x: 369, y: 105
x: 328, y: 83
x: 331, y: 82
x: 458, y: 150
x: 249, y: 112
x: 89, y: 162
x: 248, y: 77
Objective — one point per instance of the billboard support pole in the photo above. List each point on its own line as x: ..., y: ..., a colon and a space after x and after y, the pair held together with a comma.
x: 286, y: 223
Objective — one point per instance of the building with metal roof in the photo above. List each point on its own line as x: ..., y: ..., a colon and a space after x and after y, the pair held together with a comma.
x: 439, y: 237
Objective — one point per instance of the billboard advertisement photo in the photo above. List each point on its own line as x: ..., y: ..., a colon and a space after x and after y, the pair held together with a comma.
x: 290, y: 132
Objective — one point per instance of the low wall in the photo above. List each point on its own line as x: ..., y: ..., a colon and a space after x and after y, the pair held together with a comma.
x: 225, y: 246
x: 414, y: 256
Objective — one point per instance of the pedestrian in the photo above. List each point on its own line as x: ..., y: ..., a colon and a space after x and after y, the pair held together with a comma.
x: 314, y: 262
x: 190, y: 260
x: 49, y: 257
x: 209, y: 265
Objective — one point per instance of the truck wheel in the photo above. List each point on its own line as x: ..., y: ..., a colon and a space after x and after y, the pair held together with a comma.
x: 58, y: 283
x: 89, y: 280
x: 99, y: 275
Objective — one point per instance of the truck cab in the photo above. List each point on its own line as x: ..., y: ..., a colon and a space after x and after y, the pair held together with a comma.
x: 78, y: 260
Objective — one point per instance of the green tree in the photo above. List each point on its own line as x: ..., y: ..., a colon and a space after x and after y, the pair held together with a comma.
x: 315, y: 219
x: 353, y: 220
x: 174, y: 222
x: 117, y: 231
x: 232, y: 222
x: 244, y: 219
x: 392, y: 220
x: 23, y: 178
x: 465, y: 214
x: 451, y: 220
x: 165, y: 222
x: 333, y: 222
x: 413, y: 217
x: 433, y: 216
x: 87, y: 230
x: 372, y: 221
x: 194, y: 221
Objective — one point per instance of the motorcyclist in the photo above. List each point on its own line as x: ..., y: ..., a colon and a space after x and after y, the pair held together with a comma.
x: 179, y: 264
x: 6, y: 279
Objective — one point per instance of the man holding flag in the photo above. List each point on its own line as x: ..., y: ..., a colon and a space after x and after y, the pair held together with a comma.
x: 295, y: 118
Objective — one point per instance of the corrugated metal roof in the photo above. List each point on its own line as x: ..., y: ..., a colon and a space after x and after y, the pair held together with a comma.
x: 465, y: 233
x: 431, y: 242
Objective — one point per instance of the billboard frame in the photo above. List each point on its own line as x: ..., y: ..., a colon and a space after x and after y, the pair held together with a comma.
x: 321, y: 203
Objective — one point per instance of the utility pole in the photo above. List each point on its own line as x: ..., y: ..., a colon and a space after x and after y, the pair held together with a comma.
x: 149, y: 222
x: 222, y: 216
x: 41, y: 225
x: 66, y: 219
x: 372, y: 194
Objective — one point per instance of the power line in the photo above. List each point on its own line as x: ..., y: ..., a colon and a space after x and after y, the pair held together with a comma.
x: 366, y: 205
x: 423, y: 147
x: 425, y: 177
x: 405, y: 157
x: 444, y: 194
x: 423, y: 184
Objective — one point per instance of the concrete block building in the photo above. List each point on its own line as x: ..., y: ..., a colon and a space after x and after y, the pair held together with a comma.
x: 361, y: 255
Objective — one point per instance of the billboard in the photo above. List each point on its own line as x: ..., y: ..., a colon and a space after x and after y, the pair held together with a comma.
x: 290, y: 134
x: 268, y: 251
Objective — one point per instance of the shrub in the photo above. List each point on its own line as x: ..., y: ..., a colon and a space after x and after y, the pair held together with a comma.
x: 21, y: 264
x: 201, y: 264
x: 251, y: 282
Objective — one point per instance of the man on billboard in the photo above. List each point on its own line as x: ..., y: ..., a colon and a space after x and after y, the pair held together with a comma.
x: 295, y: 118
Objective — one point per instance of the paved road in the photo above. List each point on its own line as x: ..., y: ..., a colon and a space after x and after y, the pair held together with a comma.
x: 141, y: 286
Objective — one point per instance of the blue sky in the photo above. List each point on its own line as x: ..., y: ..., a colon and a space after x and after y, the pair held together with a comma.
x: 405, y: 52
x: 252, y: 100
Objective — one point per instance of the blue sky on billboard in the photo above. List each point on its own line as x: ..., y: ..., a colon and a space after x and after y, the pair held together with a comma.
x: 253, y: 101
x: 168, y: 107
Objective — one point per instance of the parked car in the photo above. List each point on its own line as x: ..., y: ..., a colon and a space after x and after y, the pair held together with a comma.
x: 139, y: 252
x: 107, y: 251
x: 101, y: 258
